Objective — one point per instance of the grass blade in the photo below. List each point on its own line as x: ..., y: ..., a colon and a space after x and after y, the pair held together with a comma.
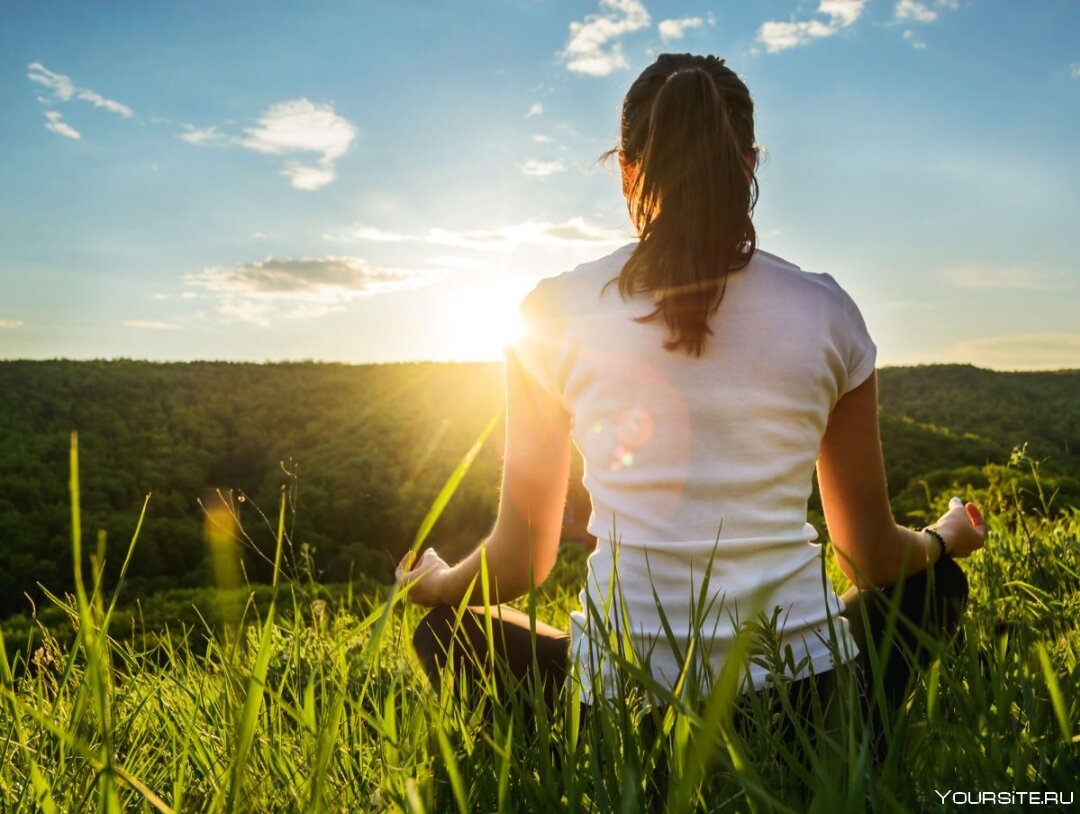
x: 1057, y: 700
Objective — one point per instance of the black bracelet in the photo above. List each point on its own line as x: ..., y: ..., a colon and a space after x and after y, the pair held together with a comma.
x: 940, y: 540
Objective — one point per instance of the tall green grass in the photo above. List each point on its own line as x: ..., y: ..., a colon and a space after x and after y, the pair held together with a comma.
x: 316, y: 706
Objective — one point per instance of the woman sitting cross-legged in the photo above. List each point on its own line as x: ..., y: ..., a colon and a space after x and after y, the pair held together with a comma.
x: 703, y: 380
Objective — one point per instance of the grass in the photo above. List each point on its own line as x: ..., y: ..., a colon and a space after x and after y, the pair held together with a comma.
x: 310, y: 704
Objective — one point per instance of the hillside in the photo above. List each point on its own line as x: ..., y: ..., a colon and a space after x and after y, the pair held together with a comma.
x: 364, y: 450
x: 1002, y: 410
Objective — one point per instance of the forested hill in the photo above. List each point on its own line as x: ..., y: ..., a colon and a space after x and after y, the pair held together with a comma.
x: 371, y: 446
x: 967, y: 408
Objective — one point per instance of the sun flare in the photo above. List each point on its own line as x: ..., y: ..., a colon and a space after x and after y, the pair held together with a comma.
x: 483, y: 317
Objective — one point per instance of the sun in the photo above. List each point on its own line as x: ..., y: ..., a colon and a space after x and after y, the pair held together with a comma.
x: 483, y: 317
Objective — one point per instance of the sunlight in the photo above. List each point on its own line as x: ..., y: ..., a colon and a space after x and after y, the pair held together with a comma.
x: 483, y: 318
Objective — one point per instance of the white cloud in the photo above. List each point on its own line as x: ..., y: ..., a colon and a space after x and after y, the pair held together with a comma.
x: 200, y: 136
x: 919, y: 11
x: 360, y: 233
x: 10, y: 323
x: 305, y: 276
x: 594, y: 48
x: 162, y: 297
x: 779, y: 36
x: 304, y: 176
x: 497, y: 240
x: 54, y: 122
x: 298, y: 288
x: 1035, y: 351
x: 1075, y: 69
x: 916, y: 43
x: 64, y: 90
x: 914, y: 10
x: 842, y: 13
x: 985, y: 277
x: 97, y: 100
x: 542, y: 139
x: 535, y: 168
x: 676, y: 29
x: 536, y: 109
x: 301, y: 126
x: 150, y: 325
x: 575, y: 231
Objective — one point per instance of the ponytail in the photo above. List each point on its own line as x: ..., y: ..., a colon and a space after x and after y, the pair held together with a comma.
x: 693, y: 194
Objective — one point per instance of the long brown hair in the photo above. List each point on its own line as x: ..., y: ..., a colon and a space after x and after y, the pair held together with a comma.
x: 688, y: 126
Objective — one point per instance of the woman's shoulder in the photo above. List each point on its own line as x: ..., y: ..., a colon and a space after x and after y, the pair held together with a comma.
x: 578, y: 288
x: 584, y: 289
x: 779, y: 274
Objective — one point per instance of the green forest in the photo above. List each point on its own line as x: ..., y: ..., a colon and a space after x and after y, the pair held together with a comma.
x: 362, y: 451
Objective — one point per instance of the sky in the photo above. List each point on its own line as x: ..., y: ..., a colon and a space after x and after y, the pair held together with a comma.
x: 377, y: 181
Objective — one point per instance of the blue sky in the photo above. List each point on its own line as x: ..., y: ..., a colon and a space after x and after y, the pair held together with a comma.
x: 365, y: 181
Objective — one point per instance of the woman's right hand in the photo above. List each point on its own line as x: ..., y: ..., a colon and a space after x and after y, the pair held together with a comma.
x: 421, y: 578
x: 963, y: 529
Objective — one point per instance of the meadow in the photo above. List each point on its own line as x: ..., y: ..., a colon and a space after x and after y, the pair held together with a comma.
x: 300, y: 696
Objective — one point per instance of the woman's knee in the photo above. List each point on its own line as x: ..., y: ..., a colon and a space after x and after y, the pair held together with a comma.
x: 951, y: 595
x: 951, y: 580
x: 432, y: 638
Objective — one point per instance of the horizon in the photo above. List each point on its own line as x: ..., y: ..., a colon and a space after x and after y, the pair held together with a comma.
x: 489, y: 362
x: 372, y: 183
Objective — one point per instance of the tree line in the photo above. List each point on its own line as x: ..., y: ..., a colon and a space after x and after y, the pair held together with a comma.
x: 362, y: 451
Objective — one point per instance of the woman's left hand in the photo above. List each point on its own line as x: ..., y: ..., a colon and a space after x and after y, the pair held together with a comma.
x: 422, y: 582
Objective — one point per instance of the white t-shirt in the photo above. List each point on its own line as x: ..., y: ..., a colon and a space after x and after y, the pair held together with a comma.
x: 689, y: 459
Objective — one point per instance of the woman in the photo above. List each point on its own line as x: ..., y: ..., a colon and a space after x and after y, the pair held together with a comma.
x: 702, y: 380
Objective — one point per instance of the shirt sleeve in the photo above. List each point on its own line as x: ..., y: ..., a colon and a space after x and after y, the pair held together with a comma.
x: 539, y: 348
x: 857, y: 348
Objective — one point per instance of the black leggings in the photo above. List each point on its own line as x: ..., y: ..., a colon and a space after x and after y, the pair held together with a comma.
x: 892, y: 624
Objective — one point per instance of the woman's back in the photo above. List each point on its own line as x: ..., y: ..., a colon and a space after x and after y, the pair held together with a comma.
x: 687, y: 454
x: 702, y: 380
x: 674, y: 444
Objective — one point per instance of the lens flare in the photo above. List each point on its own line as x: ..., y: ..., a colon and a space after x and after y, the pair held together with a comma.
x: 219, y: 528
x: 634, y: 428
